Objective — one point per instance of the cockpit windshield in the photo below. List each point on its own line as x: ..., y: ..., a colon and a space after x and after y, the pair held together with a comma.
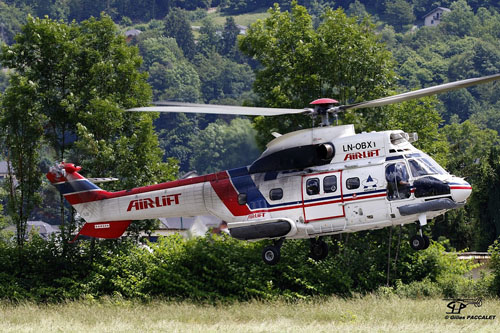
x: 434, y: 165
x: 425, y: 166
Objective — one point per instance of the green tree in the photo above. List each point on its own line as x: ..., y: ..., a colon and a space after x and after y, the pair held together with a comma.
x: 4, y: 79
x: 494, y: 249
x: 171, y: 76
x: 460, y: 20
x: 340, y: 59
x: 488, y: 117
x: 222, y: 146
x: 176, y: 131
x: 177, y: 26
x: 488, y: 201
x: 470, y: 157
x: 229, y: 38
x: 422, y: 7
x: 22, y: 130
x: 84, y: 76
x: 459, y: 104
x: 478, y: 58
x: 84, y: 9
x: 357, y: 9
x: 421, y: 116
x: 487, y: 24
x: 209, y: 40
x: 469, y: 147
x: 11, y: 19
x: 399, y: 13
x: 222, y: 78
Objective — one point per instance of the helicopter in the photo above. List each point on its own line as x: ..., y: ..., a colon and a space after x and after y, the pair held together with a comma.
x: 308, y: 183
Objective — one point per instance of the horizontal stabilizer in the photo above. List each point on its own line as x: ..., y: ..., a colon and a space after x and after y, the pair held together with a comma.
x: 110, y: 229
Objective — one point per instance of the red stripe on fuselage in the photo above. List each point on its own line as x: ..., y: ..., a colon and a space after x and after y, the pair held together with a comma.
x: 366, y: 197
x: 228, y: 195
x: 87, y: 196
x: 220, y: 182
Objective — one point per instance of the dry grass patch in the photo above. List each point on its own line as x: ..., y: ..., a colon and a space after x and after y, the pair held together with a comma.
x: 367, y: 314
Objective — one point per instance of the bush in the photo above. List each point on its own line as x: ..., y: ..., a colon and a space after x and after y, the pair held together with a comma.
x: 219, y: 268
x: 418, y: 289
x: 495, y: 267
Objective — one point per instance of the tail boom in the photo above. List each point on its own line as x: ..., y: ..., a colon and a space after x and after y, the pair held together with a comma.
x: 108, y: 214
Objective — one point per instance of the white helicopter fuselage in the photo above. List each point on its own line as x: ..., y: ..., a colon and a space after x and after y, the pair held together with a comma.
x: 373, y: 180
x: 308, y: 183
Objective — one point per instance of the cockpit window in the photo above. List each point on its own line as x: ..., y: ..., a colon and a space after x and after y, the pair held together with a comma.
x: 424, y: 167
x: 433, y: 164
x: 419, y: 168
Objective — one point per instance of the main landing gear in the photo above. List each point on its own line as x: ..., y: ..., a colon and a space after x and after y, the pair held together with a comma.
x: 271, y: 254
x: 319, y: 249
x: 420, y: 241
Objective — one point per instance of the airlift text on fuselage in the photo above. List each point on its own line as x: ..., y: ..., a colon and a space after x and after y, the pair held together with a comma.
x: 160, y: 201
x: 369, y: 149
x: 362, y: 154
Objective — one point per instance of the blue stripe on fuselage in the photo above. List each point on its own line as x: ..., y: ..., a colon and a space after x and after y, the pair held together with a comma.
x: 244, y: 183
x: 76, y: 186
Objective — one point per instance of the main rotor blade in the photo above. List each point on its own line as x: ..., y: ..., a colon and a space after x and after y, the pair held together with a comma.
x: 216, y: 109
x: 421, y: 93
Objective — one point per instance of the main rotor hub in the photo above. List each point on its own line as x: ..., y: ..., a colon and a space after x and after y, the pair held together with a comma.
x: 322, y: 107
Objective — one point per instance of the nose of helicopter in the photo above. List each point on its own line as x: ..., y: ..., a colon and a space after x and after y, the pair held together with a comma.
x: 460, y: 190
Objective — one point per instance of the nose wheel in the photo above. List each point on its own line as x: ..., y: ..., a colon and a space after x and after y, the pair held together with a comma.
x: 420, y: 241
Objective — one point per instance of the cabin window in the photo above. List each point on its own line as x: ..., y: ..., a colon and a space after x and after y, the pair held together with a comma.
x: 330, y: 184
x: 352, y: 183
x: 242, y: 198
x: 276, y: 194
x: 312, y: 186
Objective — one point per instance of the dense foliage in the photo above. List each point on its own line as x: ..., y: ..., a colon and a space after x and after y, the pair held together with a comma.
x: 70, y: 86
x: 340, y: 58
x: 219, y: 268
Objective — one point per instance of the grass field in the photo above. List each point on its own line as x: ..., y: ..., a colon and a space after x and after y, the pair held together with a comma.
x: 367, y: 314
x: 243, y: 19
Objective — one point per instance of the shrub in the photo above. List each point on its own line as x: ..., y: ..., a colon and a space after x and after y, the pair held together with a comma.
x: 418, y: 289
x: 494, y: 249
x: 219, y: 268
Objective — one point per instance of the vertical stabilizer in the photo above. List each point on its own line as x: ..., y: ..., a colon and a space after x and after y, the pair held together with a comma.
x: 80, y: 193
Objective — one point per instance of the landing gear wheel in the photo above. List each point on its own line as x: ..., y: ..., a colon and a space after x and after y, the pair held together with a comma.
x: 427, y: 242
x: 417, y: 242
x: 319, y: 249
x: 271, y: 255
